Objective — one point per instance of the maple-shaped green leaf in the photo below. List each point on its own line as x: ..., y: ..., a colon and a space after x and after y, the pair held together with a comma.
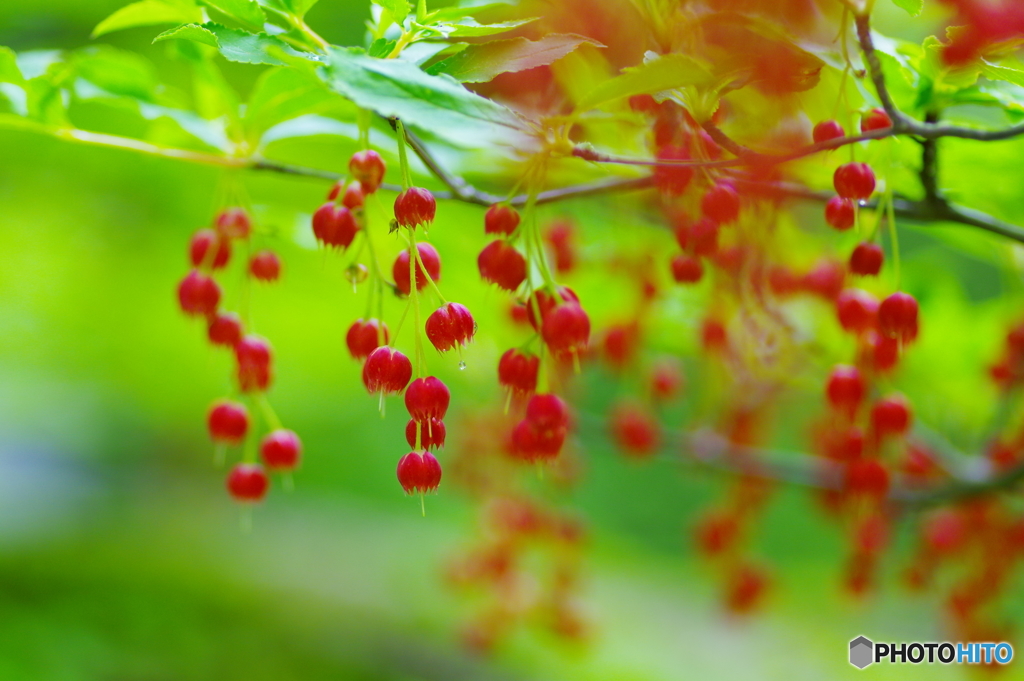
x: 480, y: 63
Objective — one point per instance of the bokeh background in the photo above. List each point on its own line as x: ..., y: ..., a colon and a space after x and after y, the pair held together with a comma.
x: 122, y: 559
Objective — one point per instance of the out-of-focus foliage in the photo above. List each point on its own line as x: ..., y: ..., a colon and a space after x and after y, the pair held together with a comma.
x: 120, y: 556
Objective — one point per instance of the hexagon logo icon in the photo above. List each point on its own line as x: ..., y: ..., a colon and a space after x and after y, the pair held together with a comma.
x: 861, y: 650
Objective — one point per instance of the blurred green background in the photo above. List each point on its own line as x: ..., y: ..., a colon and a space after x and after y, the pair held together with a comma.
x: 121, y: 557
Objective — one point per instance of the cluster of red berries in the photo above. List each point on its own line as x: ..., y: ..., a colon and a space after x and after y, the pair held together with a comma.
x: 199, y: 295
x: 386, y: 370
x: 519, y: 536
x: 864, y: 438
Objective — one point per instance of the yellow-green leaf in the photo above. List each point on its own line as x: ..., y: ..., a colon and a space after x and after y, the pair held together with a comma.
x: 668, y: 72
x: 148, y: 13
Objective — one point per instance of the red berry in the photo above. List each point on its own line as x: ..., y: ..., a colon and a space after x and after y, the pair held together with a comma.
x: 225, y: 329
x: 386, y: 371
x: 634, y: 430
x: 882, y: 352
x: 430, y: 260
x: 501, y: 218
x: 353, y: 197
x: 335, y: 191
x: 198, y: 294
x: 857, y: 310
x: 890, y: 416
x: 517, y: 371
x: 620, y: 344
x: 687, y: 269
x: 745, y: 589
x: 897, y: 316
x: 721, y: 203
x: 419, y: 472
x: 234, y: 223
x: 334, y: 225
x: 531, y: 443
x: 559, y: 236
x: 717, y: 532
x: 866, y: 259
x: 281, y: 450
x: 500, y: 263
x: 367, y: 167
x: 854, y: 181
x: 432, y: 434
x: 866, y: 477
x: 876, y: 119
x: 415, y: 206
x: 827, y: 130
x: 666, y: 380
x: 227, y: 422
x: 713, y: 335
x: 945, y: 531
x: 265, y: 266
x: 248, y: 482
x: 449, y: 326
x: 547, y: 411
x: 703, y: 237
x: 364, y: 337
x: 840, y: 213
x: 566, y: 329
x: 669, y: 178
x: 427, y: 398
x: 543, y: 302
x: 825, y: 280
x: 845, y: 389
x: 252, y: 354
x: 199, y: 250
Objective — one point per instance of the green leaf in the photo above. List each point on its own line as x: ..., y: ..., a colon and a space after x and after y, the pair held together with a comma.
x: 118, y: 72
x: 394, y: 88
x: 9, y: 71
x: 149, y: 13
x: 282, y: 94
x: 239, y: 46
x: 913, y: 7
x: 247, y: 12
x: 381, y: 47
x: 397, y: 9
x: 193, y: 32
x: 669, y: 72
x: 300, y: 7
x: 465, y: 9
x: 469, y: 28
x: 480, y: 63
x: 1005, y: 73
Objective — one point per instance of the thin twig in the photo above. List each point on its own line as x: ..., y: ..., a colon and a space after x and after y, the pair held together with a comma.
x: 903, y: 124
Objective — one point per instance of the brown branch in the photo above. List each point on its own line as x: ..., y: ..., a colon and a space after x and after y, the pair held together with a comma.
x: 709, y: 450
x: 903, y: 124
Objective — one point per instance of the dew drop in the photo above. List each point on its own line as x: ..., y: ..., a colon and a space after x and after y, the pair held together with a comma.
x: 462, y: 366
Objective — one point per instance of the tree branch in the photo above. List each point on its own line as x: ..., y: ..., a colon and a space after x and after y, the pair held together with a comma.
x: 903, y: 124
